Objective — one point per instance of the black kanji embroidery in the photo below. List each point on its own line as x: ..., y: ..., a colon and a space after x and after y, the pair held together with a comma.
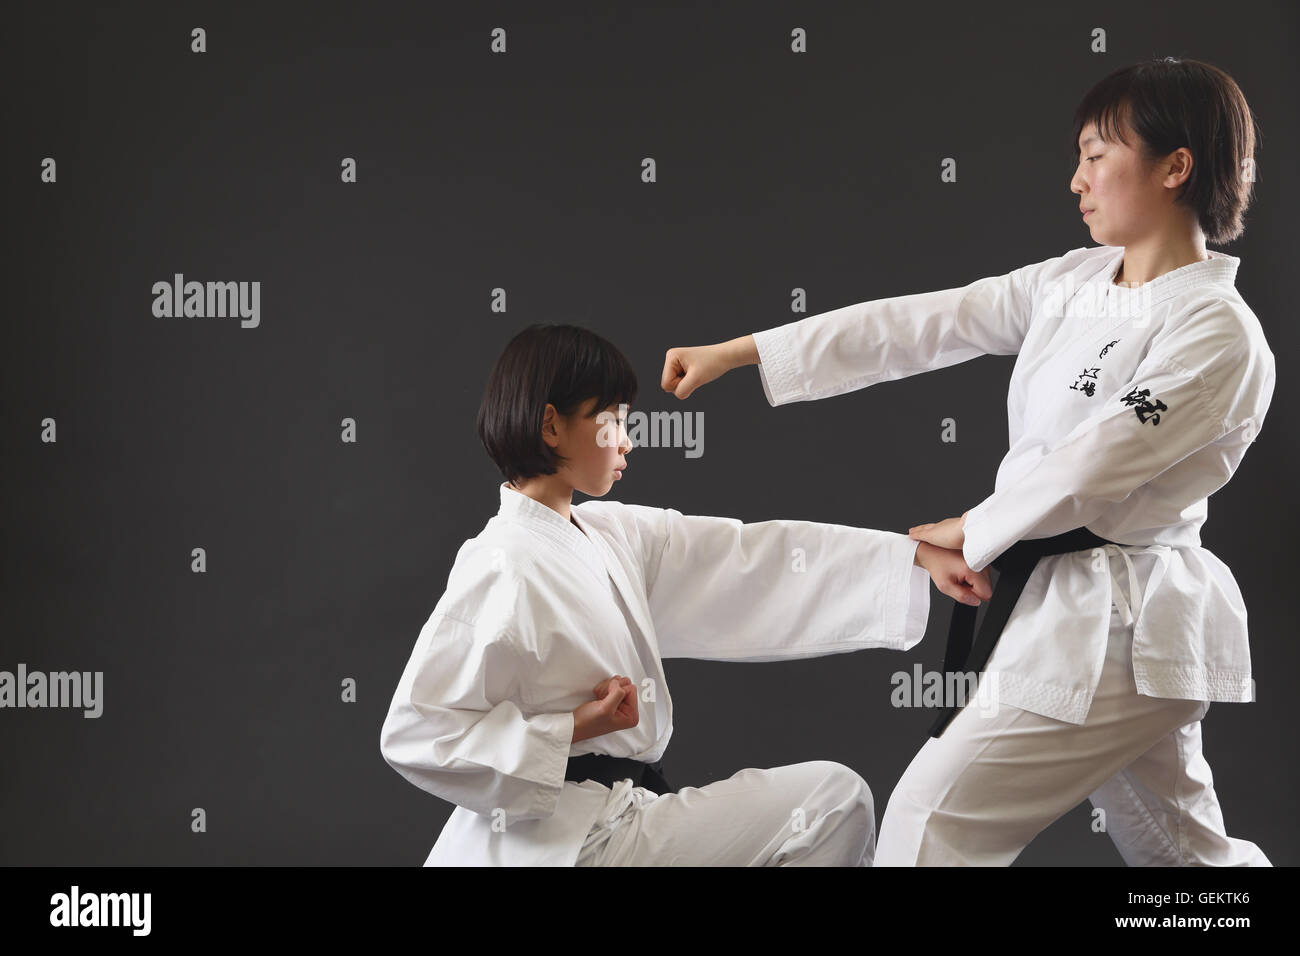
x: 1086, y: 381
x: 1085, y: 386
x: 1145, y: 410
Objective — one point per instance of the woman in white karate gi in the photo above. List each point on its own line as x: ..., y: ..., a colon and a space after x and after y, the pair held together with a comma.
x: 535, y: 697
x: 1141, y: 379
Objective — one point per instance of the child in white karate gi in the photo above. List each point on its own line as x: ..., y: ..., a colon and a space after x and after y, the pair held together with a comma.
x: 535, y: 698
x: 1141, y: 379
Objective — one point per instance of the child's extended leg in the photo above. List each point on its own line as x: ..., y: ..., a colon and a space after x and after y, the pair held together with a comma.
x: 817, y: 813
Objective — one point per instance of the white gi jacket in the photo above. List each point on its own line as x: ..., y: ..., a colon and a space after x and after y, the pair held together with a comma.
x: 537, y: 612
x: 1126, y: 409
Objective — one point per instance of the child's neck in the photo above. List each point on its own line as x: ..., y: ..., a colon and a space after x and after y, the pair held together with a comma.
x: 549, y: 490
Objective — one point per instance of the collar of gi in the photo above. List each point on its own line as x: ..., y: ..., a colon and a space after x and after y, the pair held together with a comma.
x: 517, y: 506
x: 1219, y: 269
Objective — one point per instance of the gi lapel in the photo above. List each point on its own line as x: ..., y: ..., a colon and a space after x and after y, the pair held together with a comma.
x: 516, y: 506
x: 633, y: 597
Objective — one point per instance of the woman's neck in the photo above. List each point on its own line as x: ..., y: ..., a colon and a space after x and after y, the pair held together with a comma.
x: 1151, y: 258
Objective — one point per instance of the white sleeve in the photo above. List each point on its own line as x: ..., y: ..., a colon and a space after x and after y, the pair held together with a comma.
x: 456, y: 729
x: 1201, y: 379
x: 720, y: 589
x: 885, y: 339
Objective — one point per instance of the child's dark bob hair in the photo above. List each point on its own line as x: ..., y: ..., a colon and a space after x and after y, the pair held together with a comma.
x: 564, y: 365
x: 1168, y: 103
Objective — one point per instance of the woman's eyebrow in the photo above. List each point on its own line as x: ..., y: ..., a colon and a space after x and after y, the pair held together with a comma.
x: 1090, y: 139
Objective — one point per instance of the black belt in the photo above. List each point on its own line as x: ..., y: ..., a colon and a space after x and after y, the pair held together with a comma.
x: 609, y: 770
x: 1014, y: 566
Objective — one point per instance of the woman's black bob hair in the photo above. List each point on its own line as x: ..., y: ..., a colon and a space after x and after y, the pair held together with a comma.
x: 1168, y: 103
x: 563, y: 365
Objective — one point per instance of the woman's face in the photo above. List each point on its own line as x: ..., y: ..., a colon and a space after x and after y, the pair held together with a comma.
x: 594, y: 446
x: 1125, y: 197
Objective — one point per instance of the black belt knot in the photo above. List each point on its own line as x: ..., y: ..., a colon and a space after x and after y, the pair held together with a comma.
x: 1014, y: 567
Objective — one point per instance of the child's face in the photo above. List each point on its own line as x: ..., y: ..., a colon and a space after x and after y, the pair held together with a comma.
x: 595, y: 447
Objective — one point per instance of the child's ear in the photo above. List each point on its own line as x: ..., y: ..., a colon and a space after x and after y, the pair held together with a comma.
x: 550, y: 430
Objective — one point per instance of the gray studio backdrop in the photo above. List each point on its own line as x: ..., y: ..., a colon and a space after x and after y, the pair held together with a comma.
x: 223, y: 690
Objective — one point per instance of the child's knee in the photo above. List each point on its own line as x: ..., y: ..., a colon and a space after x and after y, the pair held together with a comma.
x: 848, y: 792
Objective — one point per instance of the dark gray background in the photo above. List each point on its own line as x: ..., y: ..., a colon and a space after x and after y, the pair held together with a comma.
x: 522, y: 171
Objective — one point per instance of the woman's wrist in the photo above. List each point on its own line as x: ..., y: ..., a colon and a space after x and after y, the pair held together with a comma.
x: 741, y: 351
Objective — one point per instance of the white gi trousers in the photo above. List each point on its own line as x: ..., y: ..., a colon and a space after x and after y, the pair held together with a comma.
x: 818, y: 813
x: 978, y: 795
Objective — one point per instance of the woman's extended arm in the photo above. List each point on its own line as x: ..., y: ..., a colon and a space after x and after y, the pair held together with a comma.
x: 858, y: 345
x: 875, y: 341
